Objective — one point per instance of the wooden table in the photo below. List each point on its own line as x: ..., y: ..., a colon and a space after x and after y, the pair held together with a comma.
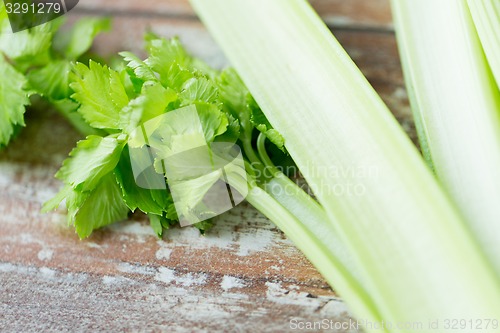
x: 244, y: 275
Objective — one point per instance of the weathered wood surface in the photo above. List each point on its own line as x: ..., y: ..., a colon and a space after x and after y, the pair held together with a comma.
x: 354, y: 13
x: 244, y: 275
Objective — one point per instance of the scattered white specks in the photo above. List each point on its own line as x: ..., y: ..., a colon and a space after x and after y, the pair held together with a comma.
x: 229, y: 282
x: 139, y: 230
x: 228, y: 237
x: 255, y: 242
x: 333, y: 307
x: 27, y: 238
x: 276, y: 293
x: 205, y: 312
x: 219, y: 238
x: 7, y: 267
x: 115, y: 280
x: 400, y: 93
x: 240, y: 296
x: 135, y: 269
x: 26, y: 173
x: 276, y: 268
x: 7, y: 172
x: 108, y: 279
x: 163, y: 253
x: 330, y: 307
x: 45, y: 254
x: 136, y: 228
x: 47, y: 272
x: 275, y: 289
x: 18, y: 269
x: 93, y: 245
x: 167, y: 275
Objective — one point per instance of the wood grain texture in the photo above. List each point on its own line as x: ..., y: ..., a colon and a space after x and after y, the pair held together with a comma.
x: 125, y: 278
x: 355, y: 13
x: 244, y: 275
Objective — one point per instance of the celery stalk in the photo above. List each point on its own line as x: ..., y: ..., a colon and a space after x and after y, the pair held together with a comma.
x: 486, y: 16
x: 307, y: 211
x: 330, y: 262
x: 418, y: 261
x: 457, y: 106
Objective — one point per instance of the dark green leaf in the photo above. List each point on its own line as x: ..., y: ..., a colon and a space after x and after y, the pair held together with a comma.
x: 152, y: 102
x: 52, y: 81
x: 91, y: 160
x: 104, y: 205
x: 261, y: 123
x: 147, y: 200
x: 13, y: 99
x: 156, y: 225
x: 101, y: 94
x: 139, y: 68
x: 80, y: 37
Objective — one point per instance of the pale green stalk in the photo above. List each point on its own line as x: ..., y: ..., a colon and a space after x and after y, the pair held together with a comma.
x: 308, y: 234
x: 306, y: 210
x: 486, y: 16
x: 313, y: 217
x: 457, y: 106
x: 417, y: 259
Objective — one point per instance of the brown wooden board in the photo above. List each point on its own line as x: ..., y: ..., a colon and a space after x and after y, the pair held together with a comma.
x: 358, y: 13
x: 244, y: 275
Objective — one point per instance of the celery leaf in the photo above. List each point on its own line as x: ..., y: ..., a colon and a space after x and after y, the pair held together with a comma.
x: 261, y: 123
x: 52, y: 81
x: 79, y: 40
x: 102, y: 206
x: 13, y: 99
x: 101, y: 94
x: 138, y: 67
x: 163, y: 53
x: 152, y: 102
x: 148, y: 201
x: 91, y: 160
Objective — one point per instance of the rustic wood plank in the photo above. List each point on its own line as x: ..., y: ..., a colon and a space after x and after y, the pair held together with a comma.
x: 362, y: 13
x: 140, y: 8
x: 355, y: 13
x: 244, y: 269
x: 54, y: 301
x: 244, y: 275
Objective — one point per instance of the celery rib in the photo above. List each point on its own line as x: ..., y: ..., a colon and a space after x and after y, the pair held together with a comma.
x: 304, y: 235
x: 404, y: 234
x: 457, y: 103
x: 486, y: 16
